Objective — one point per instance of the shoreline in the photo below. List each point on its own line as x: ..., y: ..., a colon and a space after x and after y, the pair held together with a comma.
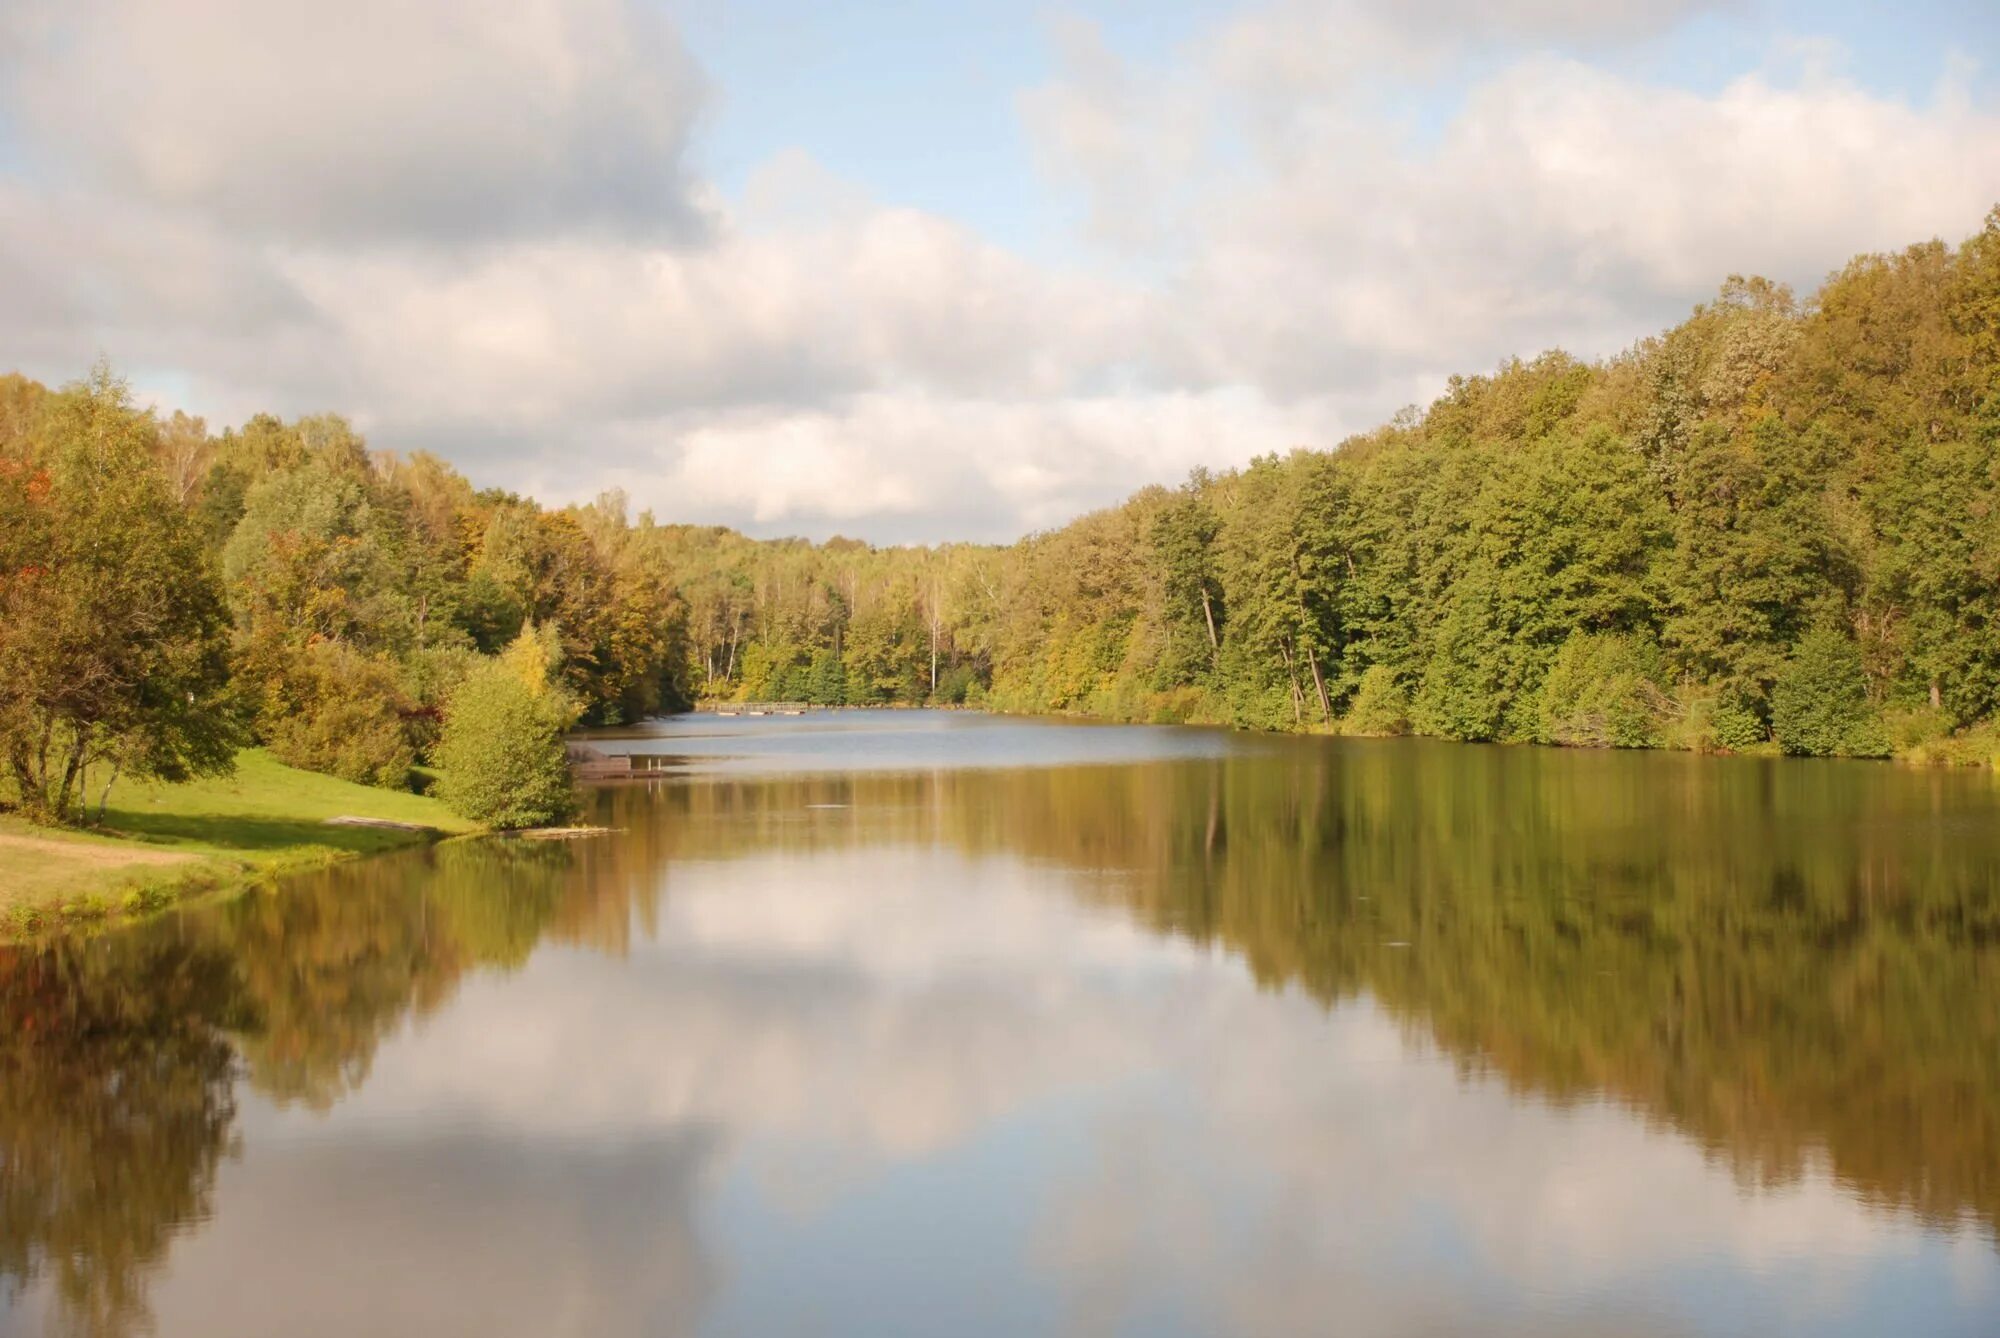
x: 164, y: 846
x: 123, y: 901
x: 1952, y: 753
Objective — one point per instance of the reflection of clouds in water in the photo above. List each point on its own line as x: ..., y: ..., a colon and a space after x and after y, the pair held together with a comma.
x: 1372, y: 1183
x: 895, y: 1050
x: 1975, y: 1281
x: 1259, y: 1165
x: 449, y: 1236
x: 883, y: 1004
x: 1598, y: 1187
x: 909, y: 918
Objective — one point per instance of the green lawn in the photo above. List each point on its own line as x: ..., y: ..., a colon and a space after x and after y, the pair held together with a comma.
x: 163, y: 842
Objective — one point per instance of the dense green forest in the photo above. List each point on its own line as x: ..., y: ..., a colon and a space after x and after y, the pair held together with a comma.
x: 1773, y: 522
x: 1772, y: 526
x: 168, y: 594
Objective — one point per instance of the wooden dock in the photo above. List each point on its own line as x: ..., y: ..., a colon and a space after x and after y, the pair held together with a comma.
x: 592, y: 764
x: 753, y: 708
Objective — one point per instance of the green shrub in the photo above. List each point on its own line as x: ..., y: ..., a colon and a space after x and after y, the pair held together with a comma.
x: 756, y: 669
x: 1120, y: 696
x: 429, y: 677
x: 1714, y: 722
x: 1819, y: 706
x: 826, y: 681
x: 956, y: 683
x: 1174, y: 706
x: 1917, y: 732
x: 1736, y: 725
x: 342, y: 713
x: 793, y: 683
x: 1923, y: 736
x: 1603, y: 691
x: 1464, y: 693
x: 501, y: 757
x: 1379, y: 706
x: 1257, y: 704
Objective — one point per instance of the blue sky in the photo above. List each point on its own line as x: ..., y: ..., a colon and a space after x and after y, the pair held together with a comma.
x: 919, y: 99
x: 921, y: 271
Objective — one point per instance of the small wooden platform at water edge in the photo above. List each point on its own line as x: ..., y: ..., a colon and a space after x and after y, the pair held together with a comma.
x: 591, y: 764
x: 753, y: 708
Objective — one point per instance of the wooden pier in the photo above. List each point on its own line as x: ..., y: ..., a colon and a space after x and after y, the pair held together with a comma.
x: 592, y: 764
x: 753, y: 708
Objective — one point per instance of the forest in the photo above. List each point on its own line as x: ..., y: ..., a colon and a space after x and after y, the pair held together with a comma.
x: 1770, y: 528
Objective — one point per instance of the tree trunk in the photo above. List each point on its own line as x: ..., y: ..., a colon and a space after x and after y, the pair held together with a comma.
x: 1937, y: 696
x: 70, y: 774
x: 1292, y: 674
x: 41, y: 767
x: 1305, y: 619
x: 27, y: 785
x: 1214, y: 643
x: 1319, y: 686
x: 104, y: 800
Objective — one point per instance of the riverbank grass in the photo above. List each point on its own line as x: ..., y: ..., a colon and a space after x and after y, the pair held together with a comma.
x: 161, y: 843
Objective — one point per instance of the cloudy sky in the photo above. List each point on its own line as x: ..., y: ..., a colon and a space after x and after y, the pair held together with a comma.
x: 915, y: 271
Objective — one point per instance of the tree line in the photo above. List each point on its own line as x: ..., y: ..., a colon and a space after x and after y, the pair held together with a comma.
x: 1773, y: 526
x: 168, y: 595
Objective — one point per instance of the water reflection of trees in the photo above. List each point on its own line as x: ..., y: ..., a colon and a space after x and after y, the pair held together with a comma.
x: 1785, y: 960
x: 116, y: 1103
x: 120, y: 1057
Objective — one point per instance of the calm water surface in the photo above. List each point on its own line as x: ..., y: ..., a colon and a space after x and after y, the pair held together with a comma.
x: 914, y: 1024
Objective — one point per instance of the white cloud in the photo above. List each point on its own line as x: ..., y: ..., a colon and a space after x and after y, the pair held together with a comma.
x: 1333, y: 247
x: 1135, y: 143
x: 1334, y: 45
x: 939, y: 467
x: 371, y: 119
x: 488, y: 239
x: 889, y: 299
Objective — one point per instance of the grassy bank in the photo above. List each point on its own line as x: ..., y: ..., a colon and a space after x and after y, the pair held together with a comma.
x: 161, y: 843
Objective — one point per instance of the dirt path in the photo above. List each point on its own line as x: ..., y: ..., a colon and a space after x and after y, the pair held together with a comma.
x: 88, y: 853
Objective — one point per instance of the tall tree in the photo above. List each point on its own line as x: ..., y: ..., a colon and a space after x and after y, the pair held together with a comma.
x: 113, y: 629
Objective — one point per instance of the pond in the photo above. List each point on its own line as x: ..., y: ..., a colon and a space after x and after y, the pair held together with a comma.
x: 913, y: 1023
